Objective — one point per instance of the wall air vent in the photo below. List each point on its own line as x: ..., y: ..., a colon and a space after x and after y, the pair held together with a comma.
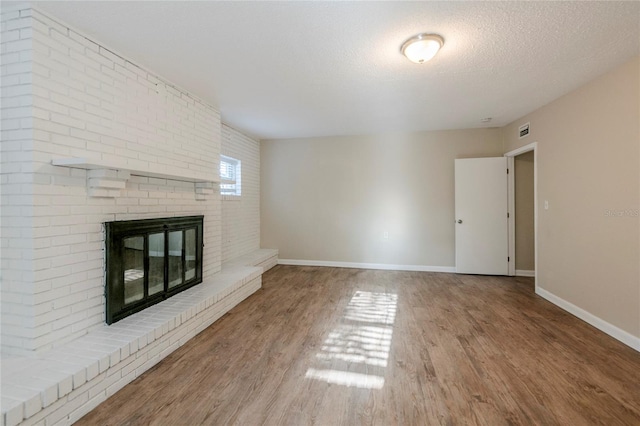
x: 523, y: 130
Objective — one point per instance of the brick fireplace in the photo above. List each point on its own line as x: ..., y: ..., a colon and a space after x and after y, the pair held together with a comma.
x: 67, y: 98
x: 88, y: 138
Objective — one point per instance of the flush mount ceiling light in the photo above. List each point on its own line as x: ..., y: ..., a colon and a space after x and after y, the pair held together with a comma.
x: 421, y: 48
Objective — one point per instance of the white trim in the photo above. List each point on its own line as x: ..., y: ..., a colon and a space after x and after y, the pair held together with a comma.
x: 383, y: 266
x: 529, y: 147
x: 610, y: 329
x: 525, y: 273
x: 533, y: 146
x: 511, y: 208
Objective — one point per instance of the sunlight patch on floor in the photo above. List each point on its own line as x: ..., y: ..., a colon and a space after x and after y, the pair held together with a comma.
x: 364, y: 344
x: 346, y: 378
x: 362, y: 339
x: 378, y: 308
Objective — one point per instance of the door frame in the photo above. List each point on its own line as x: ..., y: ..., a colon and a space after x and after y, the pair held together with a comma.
x: 512, y: 203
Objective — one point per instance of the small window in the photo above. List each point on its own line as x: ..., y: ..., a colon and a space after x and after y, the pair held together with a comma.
x: 230, y: 176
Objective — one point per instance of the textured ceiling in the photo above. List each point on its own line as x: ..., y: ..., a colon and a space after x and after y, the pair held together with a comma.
x: 301, y: 69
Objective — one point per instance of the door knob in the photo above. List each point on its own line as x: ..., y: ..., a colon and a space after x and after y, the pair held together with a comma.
x: 459, y: 220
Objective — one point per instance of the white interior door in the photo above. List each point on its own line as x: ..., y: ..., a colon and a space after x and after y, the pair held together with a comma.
x: 481, y: 216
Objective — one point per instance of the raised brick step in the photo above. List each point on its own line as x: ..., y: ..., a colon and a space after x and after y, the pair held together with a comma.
x: 63, y: 384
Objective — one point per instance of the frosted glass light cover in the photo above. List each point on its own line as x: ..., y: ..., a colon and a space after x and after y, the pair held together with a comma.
x: 421, y: 48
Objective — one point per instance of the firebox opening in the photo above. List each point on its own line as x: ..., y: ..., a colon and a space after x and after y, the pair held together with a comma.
x: 150, y: 260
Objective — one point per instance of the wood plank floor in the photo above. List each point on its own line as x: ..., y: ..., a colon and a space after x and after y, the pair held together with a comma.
x: 329, y: 346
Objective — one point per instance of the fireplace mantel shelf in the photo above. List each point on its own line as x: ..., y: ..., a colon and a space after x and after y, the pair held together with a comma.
x: 108, y: 177
x: 138, y: 170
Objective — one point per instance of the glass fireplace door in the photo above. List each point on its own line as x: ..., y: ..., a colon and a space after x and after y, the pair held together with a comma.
x: 176, y: 256
x: 150, y: 260
x: 156, y: 263
x: 133, y: 269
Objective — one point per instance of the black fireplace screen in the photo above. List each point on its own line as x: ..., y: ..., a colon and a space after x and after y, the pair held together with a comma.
x: 150, y: 260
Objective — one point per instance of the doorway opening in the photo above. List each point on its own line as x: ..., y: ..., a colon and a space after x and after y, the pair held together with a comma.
x: 523, y: 208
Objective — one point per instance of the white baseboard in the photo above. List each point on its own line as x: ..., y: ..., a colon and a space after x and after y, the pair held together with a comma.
x: 384, y: 266
x: 525, y: 273
x: 613, y: 331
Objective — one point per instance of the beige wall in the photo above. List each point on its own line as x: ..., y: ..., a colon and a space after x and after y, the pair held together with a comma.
x: 589, y: 171
x: 331, y: 199
x: 525, y: 235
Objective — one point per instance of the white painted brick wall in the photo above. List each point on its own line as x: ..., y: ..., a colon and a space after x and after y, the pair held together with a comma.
x: 67, y: 96
x: 16, y: 181
x: 241, y: 215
